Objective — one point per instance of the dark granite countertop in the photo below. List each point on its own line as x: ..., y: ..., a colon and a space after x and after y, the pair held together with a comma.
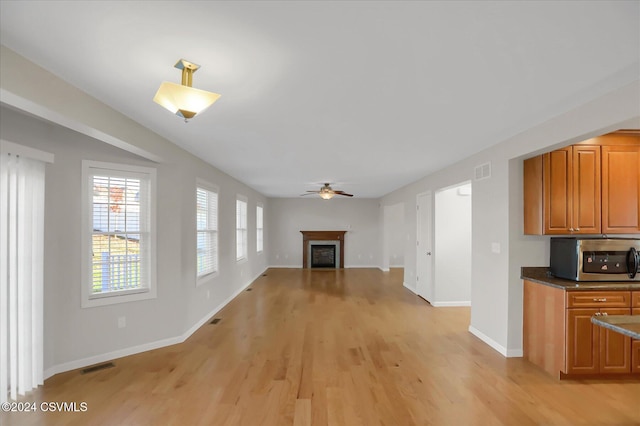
x: 629, y: 325
x: 542, y: 275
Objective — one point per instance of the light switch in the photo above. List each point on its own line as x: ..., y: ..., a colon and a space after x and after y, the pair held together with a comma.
x: 495, y: 248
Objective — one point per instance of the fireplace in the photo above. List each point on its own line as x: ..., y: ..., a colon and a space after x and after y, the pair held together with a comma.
x: 329, y: 248
x: 323, y: 255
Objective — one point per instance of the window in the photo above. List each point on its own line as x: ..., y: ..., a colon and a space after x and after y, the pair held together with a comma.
x: 259, y: 229
x: 241, y: 229
x: 118, y: 233
x: 207, y: 231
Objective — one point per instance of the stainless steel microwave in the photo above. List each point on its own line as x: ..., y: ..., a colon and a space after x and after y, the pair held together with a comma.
x: 595, y: 259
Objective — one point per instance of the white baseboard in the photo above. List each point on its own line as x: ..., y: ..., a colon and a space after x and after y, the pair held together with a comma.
x: 84, y: 362
x: 285, y: 267
x: 396, y: 266
x: 411, y: 289
x: 361, y: 266
x: 450, y: 304
x: 488, y: 340
x: 383, y: 269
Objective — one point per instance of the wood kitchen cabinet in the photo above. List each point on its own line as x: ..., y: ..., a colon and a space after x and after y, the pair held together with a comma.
x: 571, y: 178
x: 620, y: 189
x: 592, y: 349
x: 569, y: 202
x: 635, y: 343
x: 588, y: 188
x: 558, y: 334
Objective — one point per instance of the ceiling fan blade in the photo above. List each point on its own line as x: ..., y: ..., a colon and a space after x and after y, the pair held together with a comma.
x: 343, y: 193
x: 309, y: 193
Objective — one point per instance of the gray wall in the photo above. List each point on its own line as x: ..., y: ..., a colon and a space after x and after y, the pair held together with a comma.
x: 76, y: 337
x: 289, y: 216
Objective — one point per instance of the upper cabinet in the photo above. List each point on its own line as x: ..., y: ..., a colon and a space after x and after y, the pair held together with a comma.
x: 620, y: 189
x: 589, y: 188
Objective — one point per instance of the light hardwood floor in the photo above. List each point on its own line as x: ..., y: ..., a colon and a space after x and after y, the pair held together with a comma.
x: 350, y: 347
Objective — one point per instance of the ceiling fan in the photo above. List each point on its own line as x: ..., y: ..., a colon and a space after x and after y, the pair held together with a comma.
x: 327, y: 193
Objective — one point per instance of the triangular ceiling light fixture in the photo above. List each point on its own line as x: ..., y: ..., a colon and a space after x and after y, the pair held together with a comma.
x: 182, y: 99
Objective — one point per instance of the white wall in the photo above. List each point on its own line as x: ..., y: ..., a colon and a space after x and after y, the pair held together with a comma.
x: 452, y: 250
x: 289, y: 216
x: 75, y: 337
x: 496, y: 287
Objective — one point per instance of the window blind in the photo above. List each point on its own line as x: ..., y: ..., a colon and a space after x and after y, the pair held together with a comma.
x: 259, y: 229
x: 241, y: 229
x: 120, y: 218
x: 207, y: 231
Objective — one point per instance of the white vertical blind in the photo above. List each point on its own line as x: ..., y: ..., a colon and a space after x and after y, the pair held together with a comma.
x: 259, y: 229
x: 21, y: 280
x: 241, y: 229
x: 207, y: 231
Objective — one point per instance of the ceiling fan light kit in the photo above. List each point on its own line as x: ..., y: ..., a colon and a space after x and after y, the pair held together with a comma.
x: 327, y: 193
x: 182, y: 99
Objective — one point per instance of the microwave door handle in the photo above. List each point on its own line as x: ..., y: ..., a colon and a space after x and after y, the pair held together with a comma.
x: 632, y: 262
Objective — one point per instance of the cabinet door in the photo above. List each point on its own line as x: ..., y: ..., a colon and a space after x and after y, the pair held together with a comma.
x: 586, y: 190
x: 583, y: 342
x: 615, y: 348
x: 635, y: 344
x: 620, y: 189
x: 557, y: 191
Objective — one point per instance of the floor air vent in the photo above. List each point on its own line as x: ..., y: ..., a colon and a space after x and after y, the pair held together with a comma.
x: 215, y: 321
x: 249, y: 289
x: 97, y: 368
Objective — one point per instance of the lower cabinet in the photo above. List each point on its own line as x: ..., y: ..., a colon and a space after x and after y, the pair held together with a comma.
x: 558, y: 334
x: 615, y: 348
x: 596, y: 350
x: 635, y: 344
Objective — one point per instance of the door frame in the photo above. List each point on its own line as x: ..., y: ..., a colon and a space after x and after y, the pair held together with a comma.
x: 424, y: 217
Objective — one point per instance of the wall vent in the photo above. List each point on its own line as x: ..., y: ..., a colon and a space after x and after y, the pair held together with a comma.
x: 483, y: 171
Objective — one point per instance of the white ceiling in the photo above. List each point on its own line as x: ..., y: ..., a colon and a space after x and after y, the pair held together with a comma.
x: 368, y: 95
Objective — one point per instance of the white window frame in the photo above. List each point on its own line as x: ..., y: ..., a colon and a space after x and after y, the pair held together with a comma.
x: 241, y: 228
x: 202, y: 277
x: 259, y: 228
x: 149, y: 290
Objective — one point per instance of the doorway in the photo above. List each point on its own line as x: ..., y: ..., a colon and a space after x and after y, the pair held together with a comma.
x: 452, y: 243
x: 424, y: 279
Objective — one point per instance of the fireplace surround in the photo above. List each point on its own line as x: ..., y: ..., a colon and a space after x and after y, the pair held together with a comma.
x: 323, y: 238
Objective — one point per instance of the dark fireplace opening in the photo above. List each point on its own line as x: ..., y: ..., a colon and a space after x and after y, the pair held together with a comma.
x: 323, y: 256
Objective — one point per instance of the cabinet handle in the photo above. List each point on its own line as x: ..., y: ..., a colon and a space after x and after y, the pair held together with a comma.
x: 604, y: 299
x: 570, y: 229
x: 597, y: 314
x: 577, y: 229
x: 604, y: 314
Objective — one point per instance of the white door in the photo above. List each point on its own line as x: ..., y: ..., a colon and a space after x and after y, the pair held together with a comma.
x: 424, y: 283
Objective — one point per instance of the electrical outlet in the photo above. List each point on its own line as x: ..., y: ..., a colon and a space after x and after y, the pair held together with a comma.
x: 495, y: 248
x: 122, y: 322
